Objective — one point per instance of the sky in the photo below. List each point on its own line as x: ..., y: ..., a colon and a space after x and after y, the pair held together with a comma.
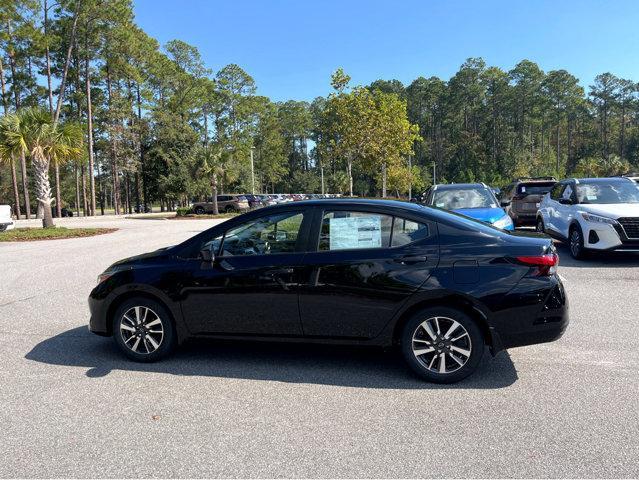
x: 291, y: 47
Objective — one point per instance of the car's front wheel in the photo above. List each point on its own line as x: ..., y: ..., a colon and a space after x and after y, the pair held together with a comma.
x: 199, y: 210
x: 576, y: 243
x: 442, y: 345
x: 540, y: 226
x: 143, y: 330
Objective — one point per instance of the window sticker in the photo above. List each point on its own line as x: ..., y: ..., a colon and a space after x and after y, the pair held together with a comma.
x: 355, y: 232
x: 591, y: 197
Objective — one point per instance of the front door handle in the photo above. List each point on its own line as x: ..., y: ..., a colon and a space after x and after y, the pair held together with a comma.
x: 411, y: 259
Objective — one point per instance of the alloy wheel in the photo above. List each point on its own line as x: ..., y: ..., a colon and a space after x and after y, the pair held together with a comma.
x: 141, y: 330
x: 442, y: 345
x: 540, y: 226
x: 575, y: 243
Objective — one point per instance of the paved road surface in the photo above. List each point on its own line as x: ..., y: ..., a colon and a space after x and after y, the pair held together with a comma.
x: 71, y: 406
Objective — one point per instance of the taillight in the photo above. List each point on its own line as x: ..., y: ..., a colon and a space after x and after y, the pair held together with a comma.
x: 546, y: 264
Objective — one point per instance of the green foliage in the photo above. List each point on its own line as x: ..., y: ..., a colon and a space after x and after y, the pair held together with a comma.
x: 183, y: 211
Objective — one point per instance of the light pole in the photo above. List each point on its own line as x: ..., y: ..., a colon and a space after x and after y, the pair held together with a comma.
x: 252, y: 173
x: 322, y: 173
x: 410, y: 177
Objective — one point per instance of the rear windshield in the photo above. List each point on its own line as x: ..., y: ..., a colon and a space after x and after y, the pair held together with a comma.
x: 534, y: 188
x: 453, y: 199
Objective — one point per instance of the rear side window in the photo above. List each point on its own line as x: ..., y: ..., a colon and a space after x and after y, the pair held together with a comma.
x: 407, y: 231
x: 345, y: 230
x: 555, y: 192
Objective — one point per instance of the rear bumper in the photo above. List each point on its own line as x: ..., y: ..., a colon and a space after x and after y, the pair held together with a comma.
x: 544, y: 322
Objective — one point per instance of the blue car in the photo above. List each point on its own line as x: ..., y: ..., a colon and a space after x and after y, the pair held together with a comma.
x: 475, y: 200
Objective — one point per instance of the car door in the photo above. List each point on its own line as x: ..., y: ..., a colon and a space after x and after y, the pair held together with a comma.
x: 363, y: 265
x: 552, y: 207
x: 251, y: 287
x: 564, y: 207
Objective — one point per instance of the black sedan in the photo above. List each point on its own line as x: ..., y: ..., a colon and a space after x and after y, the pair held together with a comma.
x: 441, y: 286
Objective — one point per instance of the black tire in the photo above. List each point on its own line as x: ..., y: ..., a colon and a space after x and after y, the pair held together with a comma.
x: 473, y: 341
x: 229, y: 209
x: 125, y: 339
x: 540, y: 226
x: 199, y: 210
x: 576, y: 243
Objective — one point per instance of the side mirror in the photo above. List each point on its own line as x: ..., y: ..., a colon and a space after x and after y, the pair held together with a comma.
x: 207, y: 253
x: 565, y: 201
x: 504, y: 202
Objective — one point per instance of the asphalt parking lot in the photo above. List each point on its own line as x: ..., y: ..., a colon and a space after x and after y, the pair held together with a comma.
x: 71, y: 406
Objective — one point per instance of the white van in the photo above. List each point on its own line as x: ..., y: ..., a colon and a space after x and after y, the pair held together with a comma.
x: 6, y: 222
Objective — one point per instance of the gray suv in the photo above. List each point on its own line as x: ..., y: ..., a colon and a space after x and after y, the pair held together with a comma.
x: 225, y: 203
x: 522, y: 197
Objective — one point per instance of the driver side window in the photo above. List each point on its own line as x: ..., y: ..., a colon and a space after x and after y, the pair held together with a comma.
x: 264, y: 236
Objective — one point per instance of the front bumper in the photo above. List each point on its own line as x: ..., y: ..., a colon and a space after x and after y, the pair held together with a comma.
x: 6, y: 226
x: 98, y: 321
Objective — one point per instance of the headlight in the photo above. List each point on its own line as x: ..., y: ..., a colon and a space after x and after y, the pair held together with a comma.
x: 589, y: 217
x: 504, y: 222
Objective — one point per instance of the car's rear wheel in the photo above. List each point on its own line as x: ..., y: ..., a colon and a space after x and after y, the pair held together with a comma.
x: 576, y: 243
x: 229, y: 209
x: 540, y: 226
x: 442, y: 345
x: 143, y: 330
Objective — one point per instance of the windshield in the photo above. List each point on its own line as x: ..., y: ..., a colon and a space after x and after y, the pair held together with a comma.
x: 606, y: 193
x: 454, y: 199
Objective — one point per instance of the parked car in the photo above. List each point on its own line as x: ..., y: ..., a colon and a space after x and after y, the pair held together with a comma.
x: 64, y: 212
x: 521, y: 198
x: 475, y: 200
x: 592, y: 214
x: 225, y: 203
x: 142, y: 208
x: 6, y: 221
x: 632, y: 176
x: 254, y: 201
x: 267, y: 200
x: 438, y: 285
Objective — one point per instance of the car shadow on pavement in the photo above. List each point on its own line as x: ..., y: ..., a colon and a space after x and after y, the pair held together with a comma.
x: 282, y: 362
x: 597, y: 259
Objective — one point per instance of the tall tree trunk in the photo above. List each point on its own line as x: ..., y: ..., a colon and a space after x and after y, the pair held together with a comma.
x: 85, y: 202
x: 43, y: 189
x: 77, y: 191
x: 47, y: 55
x: 349, y: 171
x: 384, y: 180
x: 58, y: 199
x: 67, y: 62
x: 114, y: 156
x: 14, y: 178
x: 214, y: 193
x: 87, y: 73
x: 142, y: 166
x: 23, y: 160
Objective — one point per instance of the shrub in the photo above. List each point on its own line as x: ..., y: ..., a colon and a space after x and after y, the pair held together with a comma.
x: 183, y: 211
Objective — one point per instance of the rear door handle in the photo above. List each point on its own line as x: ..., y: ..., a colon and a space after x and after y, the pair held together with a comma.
x: 411, y: 259
x: 280, y: 271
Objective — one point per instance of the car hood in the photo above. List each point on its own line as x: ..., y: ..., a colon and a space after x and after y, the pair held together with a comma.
x: 488, y: 215
x: 140, y: 259
x: 612, y: 210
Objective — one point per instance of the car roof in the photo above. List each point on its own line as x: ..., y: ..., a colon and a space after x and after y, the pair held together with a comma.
x: 601, y: 180
x: 458, y: 186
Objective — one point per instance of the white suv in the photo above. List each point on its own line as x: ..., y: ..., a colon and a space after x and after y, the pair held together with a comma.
x: 6, y: 222
x: 592, y: 214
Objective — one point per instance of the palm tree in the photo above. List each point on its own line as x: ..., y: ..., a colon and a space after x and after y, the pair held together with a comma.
x: 32, y: 132
x: 210, y: 157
